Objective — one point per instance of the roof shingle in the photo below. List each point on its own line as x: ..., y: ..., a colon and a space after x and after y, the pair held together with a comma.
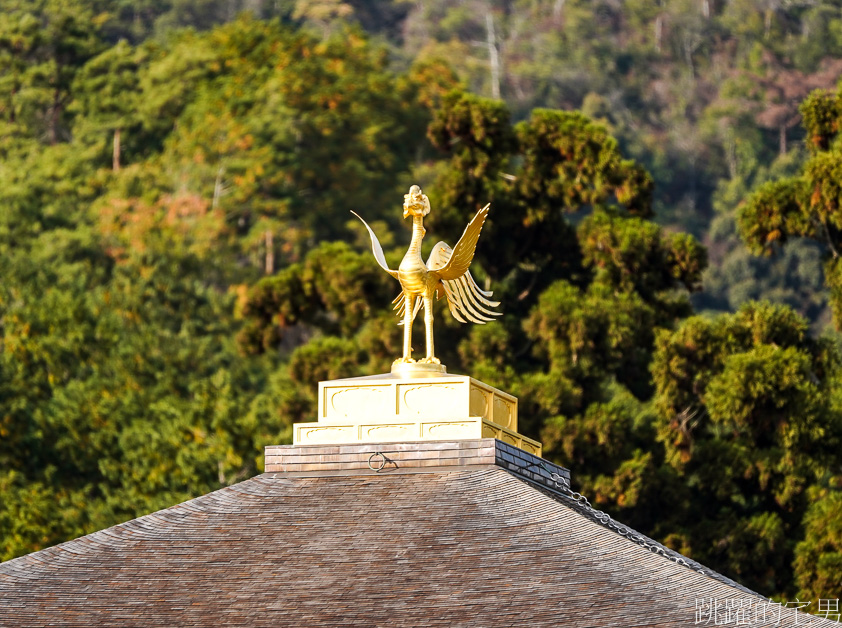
x: 470, y: 545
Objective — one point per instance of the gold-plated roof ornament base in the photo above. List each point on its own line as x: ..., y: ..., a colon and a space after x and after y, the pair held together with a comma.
x: 391, y: 408
x: 418, y: 369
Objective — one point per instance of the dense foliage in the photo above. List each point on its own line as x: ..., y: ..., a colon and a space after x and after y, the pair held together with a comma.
x: 180, y: 266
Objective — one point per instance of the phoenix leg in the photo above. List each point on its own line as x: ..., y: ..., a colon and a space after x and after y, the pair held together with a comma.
x: 428, y: 323
x: 407, y: 327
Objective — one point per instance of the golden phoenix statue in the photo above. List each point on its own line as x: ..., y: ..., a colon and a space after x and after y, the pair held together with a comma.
x: 445, y: 274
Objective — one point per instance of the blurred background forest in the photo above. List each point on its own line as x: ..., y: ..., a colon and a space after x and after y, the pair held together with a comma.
x: 179, y: 265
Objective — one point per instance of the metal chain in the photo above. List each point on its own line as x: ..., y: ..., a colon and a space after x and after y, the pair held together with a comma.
x: 603, y: 518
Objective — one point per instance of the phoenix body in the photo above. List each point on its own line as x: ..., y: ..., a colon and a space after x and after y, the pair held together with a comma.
x: 444, y: 274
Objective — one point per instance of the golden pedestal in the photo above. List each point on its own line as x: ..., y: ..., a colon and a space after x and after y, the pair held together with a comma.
x: 387, y: 408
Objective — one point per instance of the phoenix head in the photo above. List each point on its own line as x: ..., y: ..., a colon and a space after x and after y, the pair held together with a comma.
x: 415, y: 203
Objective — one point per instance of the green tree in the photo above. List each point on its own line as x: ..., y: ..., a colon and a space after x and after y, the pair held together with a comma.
x: 806, y: 205
x: 794, y: 275
x: 107, y: 92
x: 818, y: 558
x: 122, y: 391
x: 43, y: 43
x: 748, y: 421
x: 533, y: 174
x: 286, y: 133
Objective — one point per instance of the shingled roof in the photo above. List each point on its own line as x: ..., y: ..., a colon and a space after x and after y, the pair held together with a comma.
x: 470, y: 533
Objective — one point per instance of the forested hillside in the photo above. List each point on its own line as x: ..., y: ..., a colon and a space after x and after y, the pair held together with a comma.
x: 180, y: 266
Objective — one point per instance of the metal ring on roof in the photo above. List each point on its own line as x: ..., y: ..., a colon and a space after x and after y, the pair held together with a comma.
x: 382, y: 462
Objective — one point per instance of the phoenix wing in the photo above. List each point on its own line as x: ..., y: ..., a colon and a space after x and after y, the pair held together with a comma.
x: 377, y: 249
x: 400, y: 306
x: 465, y: 298
x: 463, y: 252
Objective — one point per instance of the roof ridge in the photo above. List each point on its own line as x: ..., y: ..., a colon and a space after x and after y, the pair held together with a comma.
x: 579, y: 503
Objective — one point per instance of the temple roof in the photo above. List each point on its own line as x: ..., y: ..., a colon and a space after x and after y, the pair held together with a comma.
x: 445, y: 534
